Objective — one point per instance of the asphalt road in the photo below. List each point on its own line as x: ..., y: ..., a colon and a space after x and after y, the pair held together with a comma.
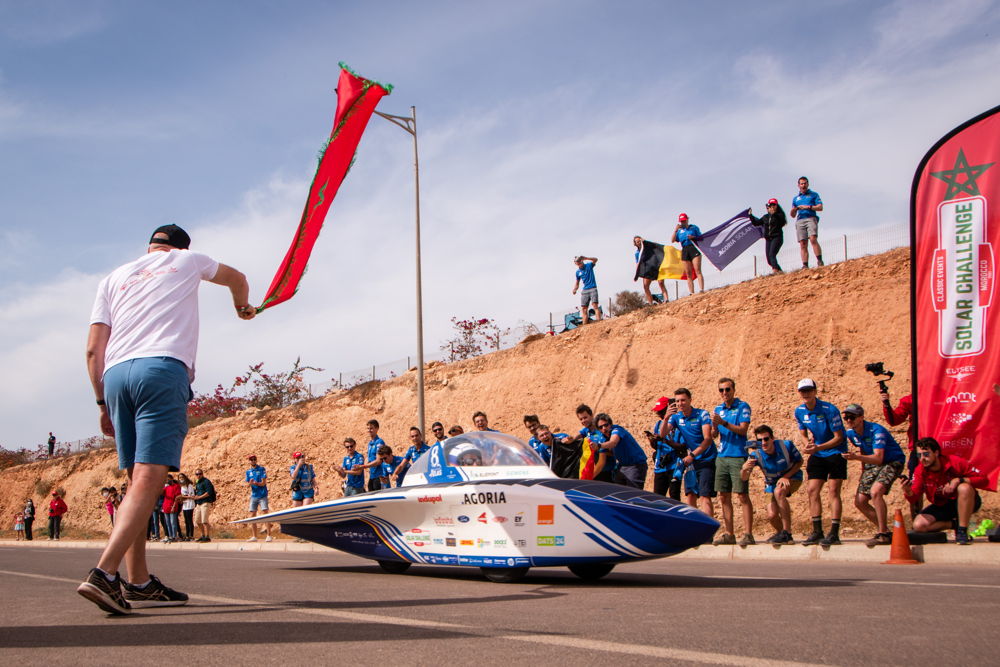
x: 297, y: 608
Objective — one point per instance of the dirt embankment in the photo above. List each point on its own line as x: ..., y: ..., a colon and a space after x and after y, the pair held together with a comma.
x: 766, y: 333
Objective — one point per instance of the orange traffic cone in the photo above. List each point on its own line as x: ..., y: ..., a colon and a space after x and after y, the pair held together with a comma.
x: 899, y: 552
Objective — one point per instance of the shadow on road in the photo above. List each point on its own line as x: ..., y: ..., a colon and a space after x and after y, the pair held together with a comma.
x: 217, y: 634
x: 557, y: 576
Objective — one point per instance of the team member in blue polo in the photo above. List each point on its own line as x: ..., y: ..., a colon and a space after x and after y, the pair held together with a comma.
x: 256, y: 477
x: 585, y: 273
x: 352, y: 469
x: 633, y: 464
x: 590, y: 431
x: 882, y: 462
x: 781, y: 464
x: 304, y: 486
x: 823, y: 439
x: 693, y: 427
x: 685, y: 234
x: 805, y: 205
x: 374, y: 483
x: 667, y: 467
x: 415, y: 451
x: 730, y: 423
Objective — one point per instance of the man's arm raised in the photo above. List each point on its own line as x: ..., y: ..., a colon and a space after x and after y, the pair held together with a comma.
x: 237, y: 283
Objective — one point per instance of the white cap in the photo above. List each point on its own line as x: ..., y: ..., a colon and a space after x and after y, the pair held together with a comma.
x: 806, y: 383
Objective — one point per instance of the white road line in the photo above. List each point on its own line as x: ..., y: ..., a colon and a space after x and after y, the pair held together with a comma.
x: 652, y: 651
x: 275, y: 560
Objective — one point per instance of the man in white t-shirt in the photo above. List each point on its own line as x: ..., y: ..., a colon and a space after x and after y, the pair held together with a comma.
x: 141, y: 351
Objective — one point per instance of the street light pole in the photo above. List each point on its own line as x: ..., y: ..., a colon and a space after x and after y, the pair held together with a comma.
x: 409, y: 124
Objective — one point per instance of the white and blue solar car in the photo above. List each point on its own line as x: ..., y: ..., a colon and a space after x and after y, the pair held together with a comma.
x: 487, y: 500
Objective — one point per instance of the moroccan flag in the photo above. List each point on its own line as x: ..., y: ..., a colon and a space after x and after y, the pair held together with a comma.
x: 722, y: 244
x: 955, y: 326
x: 588, y: 459
x: 659, y: 262
x: 356, y: 100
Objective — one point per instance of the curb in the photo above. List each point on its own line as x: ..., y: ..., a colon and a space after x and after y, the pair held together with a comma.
x: 978, y: 553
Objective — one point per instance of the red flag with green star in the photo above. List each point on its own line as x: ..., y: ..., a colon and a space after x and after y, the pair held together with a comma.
x: 356, y: 100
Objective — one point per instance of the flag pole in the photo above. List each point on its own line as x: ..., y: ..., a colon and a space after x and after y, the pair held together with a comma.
x: 409, y: 124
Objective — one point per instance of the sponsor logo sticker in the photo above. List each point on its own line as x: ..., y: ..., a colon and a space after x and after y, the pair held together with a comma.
x: 467, y: 543
x: 463, y: 519
x: 551, y: 541
x: 444, y: 521
x: 449, y: 541
x: 499, y: 519
x: 519, y: 519
x: 430, y: 499
x: 546, y: 515
x: 481, y: 518
x: 484, y: 498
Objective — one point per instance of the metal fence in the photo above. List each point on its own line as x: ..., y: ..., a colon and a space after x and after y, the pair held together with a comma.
x: 836, y: 248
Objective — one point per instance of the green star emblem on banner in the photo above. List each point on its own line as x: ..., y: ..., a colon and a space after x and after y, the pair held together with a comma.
x: 968, y: 184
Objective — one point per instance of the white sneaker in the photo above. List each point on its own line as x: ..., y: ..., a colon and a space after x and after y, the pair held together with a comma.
x: 269, y: 539
x: 252, y: 539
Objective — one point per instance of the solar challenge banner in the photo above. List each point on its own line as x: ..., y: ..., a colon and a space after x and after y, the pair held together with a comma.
x: 955, y: 322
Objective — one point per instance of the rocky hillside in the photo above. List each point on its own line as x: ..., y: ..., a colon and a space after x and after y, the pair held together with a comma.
x: 766, y: 333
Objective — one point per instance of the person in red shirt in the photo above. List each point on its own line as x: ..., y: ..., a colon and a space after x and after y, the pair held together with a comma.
x: 949, y: 483
x: 57, y: 507
x: 172, y: 508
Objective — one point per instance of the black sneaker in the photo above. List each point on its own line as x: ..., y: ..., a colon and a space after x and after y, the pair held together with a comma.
x: 784, y: 537
x: 774, y: 537
x: 829, y: 540
x: 814, y: 538
x: 962, y: 536
x: 155, y: 594
x: 105, y: 594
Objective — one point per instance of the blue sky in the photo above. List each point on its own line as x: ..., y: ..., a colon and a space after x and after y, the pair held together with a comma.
x: 547, y: 129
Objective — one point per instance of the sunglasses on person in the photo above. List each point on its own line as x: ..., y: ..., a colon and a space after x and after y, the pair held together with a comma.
x: 603, y: 426
x: 766, y: 438
x: 850, y: 417
x: 723, y: 390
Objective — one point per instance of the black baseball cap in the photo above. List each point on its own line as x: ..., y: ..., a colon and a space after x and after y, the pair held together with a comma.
x: 176, y: 237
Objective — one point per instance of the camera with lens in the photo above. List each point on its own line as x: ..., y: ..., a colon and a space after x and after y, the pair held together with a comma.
x: 877, y: 369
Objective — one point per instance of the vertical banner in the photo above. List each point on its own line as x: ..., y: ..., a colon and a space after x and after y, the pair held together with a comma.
x: 955, y: 321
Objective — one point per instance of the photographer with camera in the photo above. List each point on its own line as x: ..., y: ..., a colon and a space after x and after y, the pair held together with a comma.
x: 781, y: 464
x: 667, y: 454
x: 303, y: 486
x: 693, y: 428
x: 882, y: 460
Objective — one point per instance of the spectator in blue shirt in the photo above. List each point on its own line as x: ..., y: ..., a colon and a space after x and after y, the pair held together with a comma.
x: 372, y: 452
x: 631, y: 459
x: 585, y: 273
x: 685, y: 233
x: 805, y: 205
x: 781, y: 464
x: 882, y: 462
x: 822, y: 433
x: 693, y: 428
x: 437, y: 428
x: 412, y: 454
x: 304, y: 485
x: 256, y: 477
x: 352, y: 470
x: 385, y: 465
x: 730, y: 423
x: 455, y: 430
x: 532, y: 423
x: 482, y: 422
x: 667, y: 466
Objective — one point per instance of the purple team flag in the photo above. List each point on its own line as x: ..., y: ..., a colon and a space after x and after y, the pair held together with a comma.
x: 729, y: 240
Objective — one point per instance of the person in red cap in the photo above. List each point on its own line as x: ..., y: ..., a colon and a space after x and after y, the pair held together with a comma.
x: 773, y: 224
x: 667, y: 469
x: 685, y: 233
x: 303, y: 480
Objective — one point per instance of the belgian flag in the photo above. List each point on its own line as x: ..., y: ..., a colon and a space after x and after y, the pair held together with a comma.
x: 659, y: 262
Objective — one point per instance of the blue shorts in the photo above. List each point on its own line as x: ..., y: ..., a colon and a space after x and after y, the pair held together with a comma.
x: 258, y: 504
x: 701, y: 480
x: 303, y: 494
x: 147, y: 399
